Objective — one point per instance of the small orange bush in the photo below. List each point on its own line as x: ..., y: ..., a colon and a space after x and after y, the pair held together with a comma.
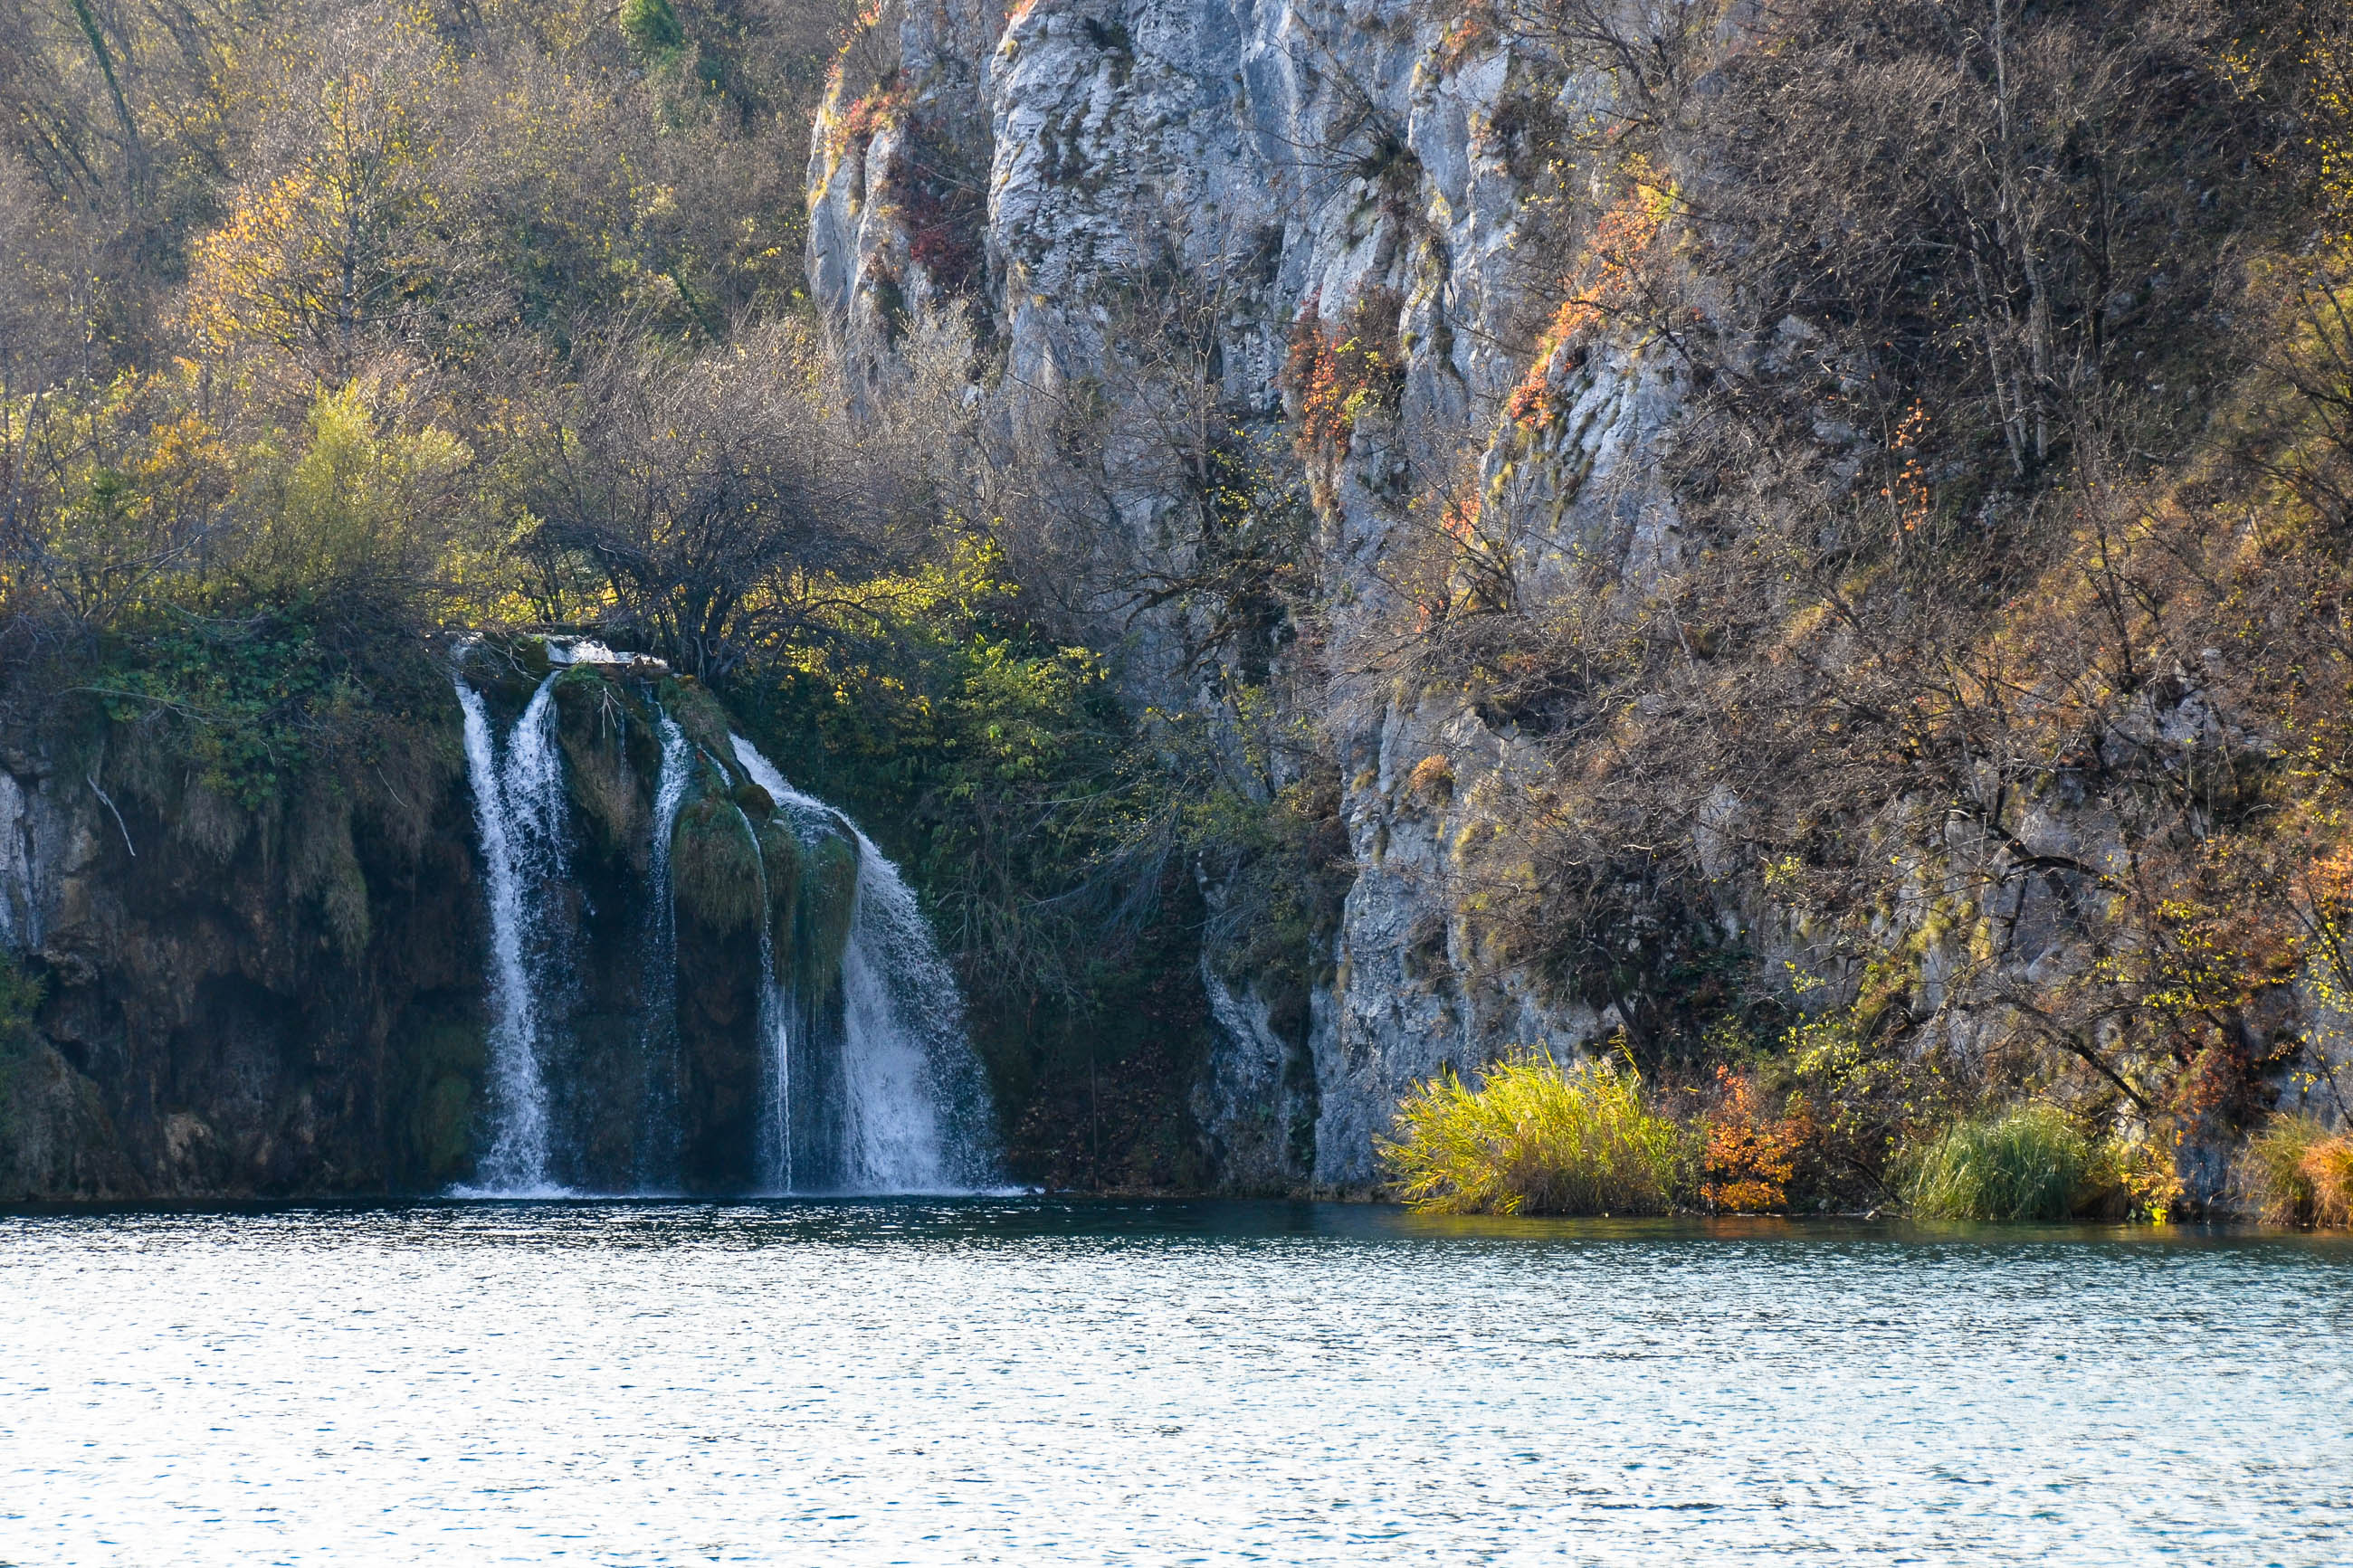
x: 2296, y: 1172
x: 1336, y: 375
x: 1433, y: 775
x: 1751, y: 1157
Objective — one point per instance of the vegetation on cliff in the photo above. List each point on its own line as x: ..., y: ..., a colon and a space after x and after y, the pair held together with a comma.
x: 1958, y: 725
x: 1959, y: 720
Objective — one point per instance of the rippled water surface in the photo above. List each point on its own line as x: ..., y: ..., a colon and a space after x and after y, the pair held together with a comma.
x: 1034, y: 1382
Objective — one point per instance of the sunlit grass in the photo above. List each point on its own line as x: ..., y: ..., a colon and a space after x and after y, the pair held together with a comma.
x: 2295, y: 1171
x: 2025, y: 1163
x: 1535, y: 1137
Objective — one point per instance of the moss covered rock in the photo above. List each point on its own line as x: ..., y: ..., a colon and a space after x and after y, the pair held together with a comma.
x: 715, y: 873
x: 613, y: 761
x: 780, y: 854
x: 702, y: 721
x: 829, y: 896
x: 755, y: 802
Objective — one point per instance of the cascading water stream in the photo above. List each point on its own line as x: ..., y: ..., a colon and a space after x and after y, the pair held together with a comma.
x: 657, y: 1166
x: 777, y: 1035
x: 776, y: 1150
x: 866, y: 1081
x: 914, y: 1107
x: 518, y: 811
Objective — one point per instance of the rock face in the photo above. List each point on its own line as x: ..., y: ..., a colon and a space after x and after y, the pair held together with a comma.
x: 1342, y: 168
x: 237, y: 1002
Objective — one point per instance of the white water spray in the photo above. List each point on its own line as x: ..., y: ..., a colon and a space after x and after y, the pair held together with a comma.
x: 518, y: 809
x: 659, y: 1033
x: 912, y: 1099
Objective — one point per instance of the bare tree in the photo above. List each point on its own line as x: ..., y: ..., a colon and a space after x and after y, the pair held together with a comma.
x: 717, y: 496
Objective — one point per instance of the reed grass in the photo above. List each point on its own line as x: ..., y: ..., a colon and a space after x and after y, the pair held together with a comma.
x: 1535, y: 1137
x: 2028, y: 1162
x: 2296, y: 1172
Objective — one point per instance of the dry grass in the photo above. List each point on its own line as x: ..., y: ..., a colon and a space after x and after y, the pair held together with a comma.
x: 2296, y: 1172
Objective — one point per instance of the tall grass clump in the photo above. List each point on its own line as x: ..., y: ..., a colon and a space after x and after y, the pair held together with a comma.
x: 1534, y: 1138
x: 2027, y: 1163
x: 2295, y: 1171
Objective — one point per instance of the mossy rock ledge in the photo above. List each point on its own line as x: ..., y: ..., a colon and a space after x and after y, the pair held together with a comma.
x: 234, y: 997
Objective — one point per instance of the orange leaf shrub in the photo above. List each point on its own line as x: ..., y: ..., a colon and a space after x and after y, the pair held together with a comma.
x: 1750, y: 1157
x: 1336, y: 376
x: 1603, y: 283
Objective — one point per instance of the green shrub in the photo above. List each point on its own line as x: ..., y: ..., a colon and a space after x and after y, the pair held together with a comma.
x: 653, y: 27
x: 2295, y: 1171
x: 2028, y: 1162
x: 1534, y: 1138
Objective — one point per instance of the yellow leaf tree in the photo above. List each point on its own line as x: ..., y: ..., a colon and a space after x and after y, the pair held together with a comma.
x: 316, y: 255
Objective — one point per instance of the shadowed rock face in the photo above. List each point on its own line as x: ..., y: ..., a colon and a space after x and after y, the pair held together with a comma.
x: 239, y: 1001
x: 292, y: 998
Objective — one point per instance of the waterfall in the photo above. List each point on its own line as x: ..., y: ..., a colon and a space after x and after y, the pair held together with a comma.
x: 657, y: 1166
x: 518, y: 810
x: 916, y: 1108
x: 609, y: 1069
x: 777, y: 1040
x: 776, y: 1150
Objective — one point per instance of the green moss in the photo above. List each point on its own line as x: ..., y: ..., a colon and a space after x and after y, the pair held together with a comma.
x: 442, y: 1059
x: 755, y: 802
x: 828, y: 892
x: 714, y: 871
x: 528, y: 655
x: 322, y: 863
x: 702, y: 721
x: 20, y: 998
x: 780, y: 852
x: 442, y: 1125
x: 603, y: 731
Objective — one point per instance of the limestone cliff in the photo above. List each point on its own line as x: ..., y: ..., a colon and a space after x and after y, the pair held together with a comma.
x: 1298, y: 163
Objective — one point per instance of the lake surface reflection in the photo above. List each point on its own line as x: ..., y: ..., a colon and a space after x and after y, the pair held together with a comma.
x: 1034, y: 1381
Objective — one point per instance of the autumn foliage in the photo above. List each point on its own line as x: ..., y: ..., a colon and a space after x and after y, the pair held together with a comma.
x: 1605, y: 281
x: 1751, y: 1156
x: 1535, y: 1137
x: 1336, y: 373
